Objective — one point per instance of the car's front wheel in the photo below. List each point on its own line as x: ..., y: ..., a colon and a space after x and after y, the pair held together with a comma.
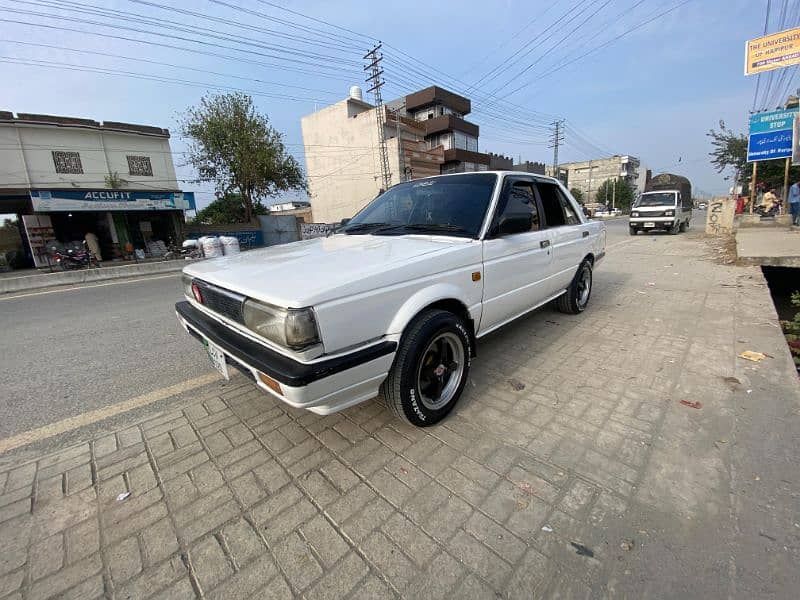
x: 430, y: 369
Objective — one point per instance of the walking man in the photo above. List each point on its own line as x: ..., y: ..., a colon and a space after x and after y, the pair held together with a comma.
x: 794, y: 202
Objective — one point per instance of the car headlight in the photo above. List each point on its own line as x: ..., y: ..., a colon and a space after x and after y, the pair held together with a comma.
x: 634, y: 214
x: 294, y: 328
x: 669, y: 213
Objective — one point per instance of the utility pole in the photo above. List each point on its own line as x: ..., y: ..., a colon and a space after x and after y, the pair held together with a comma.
x: 614, y: 195
x: 400, y: 143
x: 376, y: 79
x: 556, y: 139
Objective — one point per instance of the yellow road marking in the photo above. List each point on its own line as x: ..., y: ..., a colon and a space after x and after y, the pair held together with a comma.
x: 83, y: 287
x: 41, y: 433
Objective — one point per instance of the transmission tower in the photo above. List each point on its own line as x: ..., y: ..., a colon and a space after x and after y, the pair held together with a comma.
x: 375, y: 78
x: 556, y: 140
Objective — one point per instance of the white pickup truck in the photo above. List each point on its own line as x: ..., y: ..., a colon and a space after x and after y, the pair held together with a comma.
x: 394, y: 302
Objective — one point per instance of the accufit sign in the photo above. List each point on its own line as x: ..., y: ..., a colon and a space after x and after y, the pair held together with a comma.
x: 772, y: 51
x: 771, y: 135
x: 77, y: 200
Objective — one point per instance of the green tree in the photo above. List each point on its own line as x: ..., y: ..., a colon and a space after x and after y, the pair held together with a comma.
x: 236, y: 148
x: 577, y: 194
x: 621, y: 197
x: 729, y: 153
x: 227, y: 209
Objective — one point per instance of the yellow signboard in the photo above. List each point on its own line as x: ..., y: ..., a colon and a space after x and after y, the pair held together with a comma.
x: 773, y: 51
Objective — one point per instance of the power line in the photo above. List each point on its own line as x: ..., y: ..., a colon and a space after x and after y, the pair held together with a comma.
x: 196, y: 41
x: 163, y: 64
x: 599, y: 47
x: 144, y: 76
x: 181, y: 48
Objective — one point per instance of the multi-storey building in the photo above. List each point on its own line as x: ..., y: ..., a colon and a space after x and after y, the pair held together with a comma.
x: 589, y: 175
x: 426, y: 134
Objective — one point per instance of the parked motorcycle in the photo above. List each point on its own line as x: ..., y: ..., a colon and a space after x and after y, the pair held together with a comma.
x: 771, y: 212
x: 189, y: 249
x: 73, y: 255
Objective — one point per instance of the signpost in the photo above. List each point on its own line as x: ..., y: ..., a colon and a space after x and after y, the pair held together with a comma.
x: 771, y: 135
x: 773, y: 51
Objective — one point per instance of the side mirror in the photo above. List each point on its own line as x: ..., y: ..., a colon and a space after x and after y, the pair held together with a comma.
x: 510, y: 224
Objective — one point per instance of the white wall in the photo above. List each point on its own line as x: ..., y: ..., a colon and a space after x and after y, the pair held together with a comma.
x: 342, y: 159
x: 102, y: 152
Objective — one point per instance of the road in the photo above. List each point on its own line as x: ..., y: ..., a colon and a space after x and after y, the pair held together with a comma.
x: 70, y: 351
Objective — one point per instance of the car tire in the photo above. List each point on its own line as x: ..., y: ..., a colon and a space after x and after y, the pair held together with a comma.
x: 674, y: 229
x: 683, y: 226
x: 420, y: 387
x: 579, y: 291
x: 632, y: 230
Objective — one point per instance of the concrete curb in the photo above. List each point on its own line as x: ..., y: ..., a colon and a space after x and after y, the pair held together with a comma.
x: 45, y: 280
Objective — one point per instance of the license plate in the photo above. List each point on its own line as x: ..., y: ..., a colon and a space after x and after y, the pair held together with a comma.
x: 217, y: 358
x: 649, y: 224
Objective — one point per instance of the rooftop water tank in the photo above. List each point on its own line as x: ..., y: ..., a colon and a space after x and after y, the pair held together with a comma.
x: 356, y: 93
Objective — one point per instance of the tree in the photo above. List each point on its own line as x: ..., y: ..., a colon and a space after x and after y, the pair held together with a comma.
x: 729, y: 153
x: 621, y: 197
x: 577, y: 194
x: 227, y: 209
x: 236, y: 148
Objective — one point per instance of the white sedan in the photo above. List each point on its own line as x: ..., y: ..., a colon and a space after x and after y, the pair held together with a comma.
x: 396, y: 300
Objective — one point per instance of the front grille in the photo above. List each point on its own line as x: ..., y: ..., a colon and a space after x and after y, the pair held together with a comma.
x: 646, y: 215
x: 221, y: 301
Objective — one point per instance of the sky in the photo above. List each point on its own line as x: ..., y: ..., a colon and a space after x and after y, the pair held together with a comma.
x: 626, y: 78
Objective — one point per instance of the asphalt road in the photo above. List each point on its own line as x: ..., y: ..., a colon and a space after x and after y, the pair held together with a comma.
x: 66, y: 352
x: 69, y: 351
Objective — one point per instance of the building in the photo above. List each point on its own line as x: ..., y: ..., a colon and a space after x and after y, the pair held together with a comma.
x: 499, y: 162
x: 426, y: 134
x: 66, y: 177
x: 589, y: 175
x: 530, y: 167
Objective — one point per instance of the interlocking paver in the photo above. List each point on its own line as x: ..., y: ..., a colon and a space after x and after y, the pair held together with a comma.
x: 262, y: 500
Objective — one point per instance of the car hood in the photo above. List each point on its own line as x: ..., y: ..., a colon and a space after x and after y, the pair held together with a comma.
x: 312, y: 271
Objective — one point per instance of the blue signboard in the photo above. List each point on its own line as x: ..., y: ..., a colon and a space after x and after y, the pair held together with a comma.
x: 771, y: 135
x: 75, y: 200
x: 769, y: 145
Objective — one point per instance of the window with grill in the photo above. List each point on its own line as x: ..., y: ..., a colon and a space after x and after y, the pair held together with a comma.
x: 140, y: 165
x: 67, y: 162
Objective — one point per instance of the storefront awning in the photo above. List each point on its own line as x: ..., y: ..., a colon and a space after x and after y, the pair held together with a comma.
x: 77, y: 200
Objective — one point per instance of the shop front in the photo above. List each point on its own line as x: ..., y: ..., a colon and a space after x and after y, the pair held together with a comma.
x: 115, y: 221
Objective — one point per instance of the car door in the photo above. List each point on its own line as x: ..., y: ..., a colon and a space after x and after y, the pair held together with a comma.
x: 569, y: 237
x: 516, y: 259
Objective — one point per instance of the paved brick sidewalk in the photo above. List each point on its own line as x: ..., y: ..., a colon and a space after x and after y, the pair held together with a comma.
x: 591, y: 480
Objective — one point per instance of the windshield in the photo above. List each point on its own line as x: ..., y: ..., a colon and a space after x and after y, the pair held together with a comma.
x: 452, y: 205
x: 657, y: 199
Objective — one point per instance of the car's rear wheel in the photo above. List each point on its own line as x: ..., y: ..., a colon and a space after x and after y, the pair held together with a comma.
x: 577, y: 296
x: 430, y: 369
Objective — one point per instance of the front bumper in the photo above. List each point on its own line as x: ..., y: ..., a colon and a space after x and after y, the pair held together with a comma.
x: 324, y: 386
x: 657, y: 222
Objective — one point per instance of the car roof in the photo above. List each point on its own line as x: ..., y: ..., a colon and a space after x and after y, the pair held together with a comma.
x: 501, y: 173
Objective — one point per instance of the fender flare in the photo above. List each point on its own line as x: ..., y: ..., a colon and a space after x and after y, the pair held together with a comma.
x: 422, y: 299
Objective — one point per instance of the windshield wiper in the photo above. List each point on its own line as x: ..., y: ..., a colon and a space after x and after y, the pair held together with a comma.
x: 363, y: 227
x: 425, y: 227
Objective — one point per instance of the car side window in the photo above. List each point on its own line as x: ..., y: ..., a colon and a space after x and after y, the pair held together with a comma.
x: 558, y: 210
x: 519, y: 201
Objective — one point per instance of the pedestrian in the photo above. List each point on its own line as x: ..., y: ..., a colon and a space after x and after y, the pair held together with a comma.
x: 794, y: 202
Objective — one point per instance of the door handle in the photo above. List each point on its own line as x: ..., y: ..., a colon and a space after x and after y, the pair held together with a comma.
x: 544, y: 243
x: 585, y: 234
